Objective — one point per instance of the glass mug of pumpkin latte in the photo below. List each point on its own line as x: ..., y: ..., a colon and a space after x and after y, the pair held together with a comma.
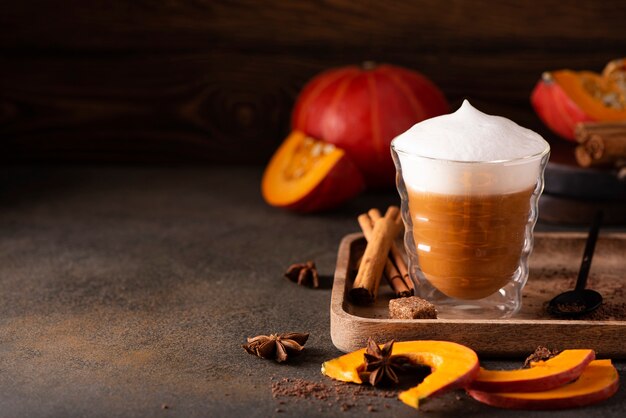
x: 469, y: 184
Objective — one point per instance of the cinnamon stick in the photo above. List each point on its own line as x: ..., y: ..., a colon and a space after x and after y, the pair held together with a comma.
x: 584, y: 130
x: 396, y: 256
x: 370, y: 272
x: 582, y: 157
x: 393, y: 276
x: 602, y: 147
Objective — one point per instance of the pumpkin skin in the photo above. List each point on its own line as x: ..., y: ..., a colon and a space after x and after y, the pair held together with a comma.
x: 361, y: 110
x: 306, y: 175
x: 599, y: 381
x: 564, y: 98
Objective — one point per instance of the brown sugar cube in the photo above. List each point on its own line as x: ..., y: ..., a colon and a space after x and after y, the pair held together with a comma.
x: 411, y: 308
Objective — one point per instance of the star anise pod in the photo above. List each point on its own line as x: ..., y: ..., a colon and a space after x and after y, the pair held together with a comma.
x: 381, y: 365
x: 276, y: 346
x: 541, y: 354
x: 305, y: 274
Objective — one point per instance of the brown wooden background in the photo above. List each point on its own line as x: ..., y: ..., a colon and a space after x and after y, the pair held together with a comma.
x: 215, y: 80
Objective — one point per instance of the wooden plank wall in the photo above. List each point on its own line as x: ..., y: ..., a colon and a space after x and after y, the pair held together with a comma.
x: 153, y: 80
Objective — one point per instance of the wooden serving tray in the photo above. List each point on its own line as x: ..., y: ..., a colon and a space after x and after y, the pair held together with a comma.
x: 554, y: 266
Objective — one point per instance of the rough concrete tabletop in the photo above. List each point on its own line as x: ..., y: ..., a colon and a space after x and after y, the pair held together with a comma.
x: 128, y: 292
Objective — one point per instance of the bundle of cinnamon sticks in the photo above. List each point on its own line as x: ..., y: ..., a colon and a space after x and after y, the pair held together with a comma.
x: 601, y: 144
x: 382, y: 257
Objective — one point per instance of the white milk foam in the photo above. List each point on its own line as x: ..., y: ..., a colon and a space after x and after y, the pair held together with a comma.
x: 470, y: 152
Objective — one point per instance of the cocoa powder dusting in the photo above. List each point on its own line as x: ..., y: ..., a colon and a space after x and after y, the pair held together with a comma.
x: 343, y: 396
x: 607, y: 312
x: 571, y: 307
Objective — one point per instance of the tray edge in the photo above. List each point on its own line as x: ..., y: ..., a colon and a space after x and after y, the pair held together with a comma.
x: 344, y: 337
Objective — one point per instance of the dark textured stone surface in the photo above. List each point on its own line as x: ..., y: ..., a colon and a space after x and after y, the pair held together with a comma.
x: 126, y: 289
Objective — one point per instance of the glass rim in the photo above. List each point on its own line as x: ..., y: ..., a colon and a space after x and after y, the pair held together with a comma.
x: 526, y: 158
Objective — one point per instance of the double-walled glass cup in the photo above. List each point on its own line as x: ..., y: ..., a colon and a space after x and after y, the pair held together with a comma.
x: 469, y: 230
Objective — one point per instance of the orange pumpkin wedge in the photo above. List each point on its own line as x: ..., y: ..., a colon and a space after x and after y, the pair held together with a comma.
x: 307, y: 175
x: 542, y: 375
x: 599, y: 381
x: 453, y: 366
x: 600, y: 99
x: 565, y: 98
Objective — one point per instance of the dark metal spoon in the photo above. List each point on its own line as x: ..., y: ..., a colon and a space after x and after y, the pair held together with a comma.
x: 580, y: 301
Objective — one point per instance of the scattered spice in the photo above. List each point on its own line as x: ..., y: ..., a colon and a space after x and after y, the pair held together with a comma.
x: 381, y: 365
x: 571, y: 307
x: 305, y: 274
x: 346, y: 406
x: 541, y: 354
x: 276, y: 346
x: 607, y: 311
x: 341, y: 395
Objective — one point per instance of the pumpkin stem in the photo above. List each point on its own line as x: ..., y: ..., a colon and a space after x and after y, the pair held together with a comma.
x: 546, y: 76
x: 369, y: 65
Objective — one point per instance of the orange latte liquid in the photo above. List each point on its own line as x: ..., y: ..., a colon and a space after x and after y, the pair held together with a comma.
x: 469, y: 246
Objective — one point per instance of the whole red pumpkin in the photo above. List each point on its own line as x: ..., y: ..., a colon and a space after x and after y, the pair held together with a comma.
x: 361, y: 109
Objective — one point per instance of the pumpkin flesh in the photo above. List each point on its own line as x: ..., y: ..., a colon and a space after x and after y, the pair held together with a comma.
x: 453, y: 366
x: 598, y: 98
x: 306, y: 175
x: 597, y: 382
x: 542, y: 375
x: 564, y: 98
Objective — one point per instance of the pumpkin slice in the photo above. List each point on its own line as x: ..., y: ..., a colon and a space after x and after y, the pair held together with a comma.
x: 599, y: 381
x: 307, y: 175
x: 453, y: 366
x: 555, y: 108
x: 542, y: 375
x: 565, y: 98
